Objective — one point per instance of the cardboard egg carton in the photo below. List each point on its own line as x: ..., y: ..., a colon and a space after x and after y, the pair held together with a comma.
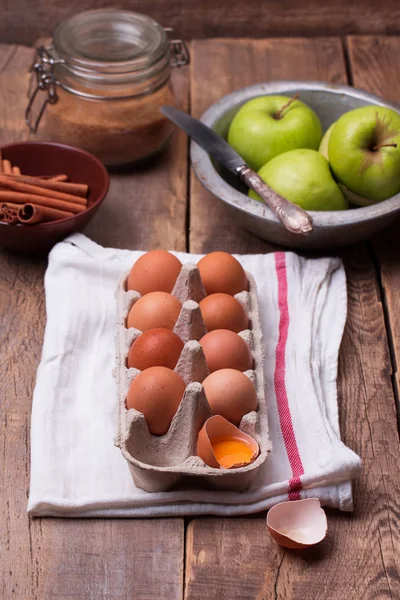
x: 158, y: 463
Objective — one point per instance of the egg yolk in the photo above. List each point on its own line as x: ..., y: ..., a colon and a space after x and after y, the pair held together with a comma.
x: 231, y: 451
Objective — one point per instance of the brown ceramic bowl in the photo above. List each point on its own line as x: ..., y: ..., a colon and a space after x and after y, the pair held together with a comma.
x: 46, y: 158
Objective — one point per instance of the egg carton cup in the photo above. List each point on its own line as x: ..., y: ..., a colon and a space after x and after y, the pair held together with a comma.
x: 159, y: 463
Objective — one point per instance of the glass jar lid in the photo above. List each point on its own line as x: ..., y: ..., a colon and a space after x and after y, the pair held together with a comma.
x: 110, y: 41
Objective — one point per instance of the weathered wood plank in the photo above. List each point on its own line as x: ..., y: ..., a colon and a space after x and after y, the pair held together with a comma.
x: 370, y: 542
x: 14, y: 76
x: 386, y: 248
x: 359, y: 558
x: 59, y: 558
x: 221, y: 66
x: 21, y: 333
x: 103, y: 559
x: 375, y: 67
x: 24, y: 21
x: 230, y: 558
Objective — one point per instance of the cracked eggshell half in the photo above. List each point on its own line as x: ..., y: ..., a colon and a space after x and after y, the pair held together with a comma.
x: 297, y: 524
x: 223, y: 446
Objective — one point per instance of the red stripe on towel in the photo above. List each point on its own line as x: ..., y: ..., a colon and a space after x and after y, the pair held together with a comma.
x: 285, y: 417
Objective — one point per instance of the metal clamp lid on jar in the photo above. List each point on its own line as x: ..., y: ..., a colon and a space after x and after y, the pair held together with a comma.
x: 47, y: 60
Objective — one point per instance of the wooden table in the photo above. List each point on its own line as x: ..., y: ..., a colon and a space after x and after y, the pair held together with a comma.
x: 165, y: 206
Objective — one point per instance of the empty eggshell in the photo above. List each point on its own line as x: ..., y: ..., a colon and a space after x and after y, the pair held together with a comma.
x: 217, y: 430
x: 156, y: 309
x: 297, y: 524
x: 221, y: 272
x: 155, y: 271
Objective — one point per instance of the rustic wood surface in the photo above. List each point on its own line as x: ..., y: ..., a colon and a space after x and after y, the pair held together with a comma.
x: 22, y: 21
x: 58, y: 558
x: 365, y: 390
x: 214, y: 558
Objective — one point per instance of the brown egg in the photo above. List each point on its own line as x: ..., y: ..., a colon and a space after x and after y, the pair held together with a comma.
x: 225, y: 349
x: 157, y: 393
x: 230, y: 394
x: 222, y: 311
x: 156, y: 309
x: 155, y: 347
x: 221, y: 272
x: 155, y: 271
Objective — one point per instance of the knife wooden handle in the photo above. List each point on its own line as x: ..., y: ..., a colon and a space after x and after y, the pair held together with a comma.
x: 294, y: 218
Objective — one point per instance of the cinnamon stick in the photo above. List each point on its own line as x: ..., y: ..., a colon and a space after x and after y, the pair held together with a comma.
x: 6, y: 166
x: 15, y: 184
x: 29, y: 214
x: 22, y: 198
x: 76, y: 189
x: 8, y: 214
x: 11, y: 206
x: 10, y: 218
x: 60, y: 177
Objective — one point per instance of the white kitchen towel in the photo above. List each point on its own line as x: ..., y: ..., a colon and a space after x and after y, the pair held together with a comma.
x: 76, y: 471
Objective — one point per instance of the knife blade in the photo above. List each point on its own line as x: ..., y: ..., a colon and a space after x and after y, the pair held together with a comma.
x: 294, y: 218
x: 206, y: 137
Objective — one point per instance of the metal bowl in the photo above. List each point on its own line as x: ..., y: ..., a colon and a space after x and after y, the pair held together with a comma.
x: 331, y: 228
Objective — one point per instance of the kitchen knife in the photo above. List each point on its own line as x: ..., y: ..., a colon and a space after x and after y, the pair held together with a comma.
x: 294, y: 218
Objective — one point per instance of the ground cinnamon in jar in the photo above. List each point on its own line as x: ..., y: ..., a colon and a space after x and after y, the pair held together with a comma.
x: 112, y: 70
x: 118, y: 132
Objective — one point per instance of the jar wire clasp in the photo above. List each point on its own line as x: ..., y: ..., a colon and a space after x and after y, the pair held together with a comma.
x: 179, y: 51
x: 43, y: 68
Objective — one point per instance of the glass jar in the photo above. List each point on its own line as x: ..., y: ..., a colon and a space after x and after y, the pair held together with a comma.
x: 105, y: 77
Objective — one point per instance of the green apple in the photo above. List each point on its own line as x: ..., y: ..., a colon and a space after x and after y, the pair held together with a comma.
x: 323, y: 147
x: 303, y: 177
x: 270, y: 125
x: 364, y: 152
x: 351, y: 196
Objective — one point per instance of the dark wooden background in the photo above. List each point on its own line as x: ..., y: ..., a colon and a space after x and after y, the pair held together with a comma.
x: 22, y: 21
